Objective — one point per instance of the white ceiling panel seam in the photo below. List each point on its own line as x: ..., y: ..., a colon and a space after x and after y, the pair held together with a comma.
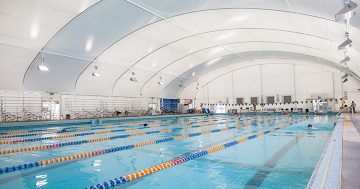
x: 180, y: 74
x: 308, y: 28
x: 194, y: 35
x: 199, y: 11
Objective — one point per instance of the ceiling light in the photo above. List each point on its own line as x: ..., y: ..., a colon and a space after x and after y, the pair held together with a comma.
x: 181, y: 83
x: 95, y: 74
x: 133, y: 78
x: 34, y: 30
x: 198, y: 86
x: 347, y: 12
x: 89, y: 44
x: 193, y: 74
x: 43, y: 68
x: 345, y: 44
x: 345, y: 60
x: 160, y: 82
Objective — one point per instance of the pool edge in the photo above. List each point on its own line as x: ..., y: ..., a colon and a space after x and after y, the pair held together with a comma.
x: 327, y: 173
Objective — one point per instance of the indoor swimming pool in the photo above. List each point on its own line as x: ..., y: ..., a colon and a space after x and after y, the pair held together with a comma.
x: 217, y: 151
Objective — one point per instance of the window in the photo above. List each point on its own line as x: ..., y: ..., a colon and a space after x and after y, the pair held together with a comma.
x: 287, y: 99
x: 254, y: 100
x: 239, y: 101
x: 220, y: 108
x: 270, y: 99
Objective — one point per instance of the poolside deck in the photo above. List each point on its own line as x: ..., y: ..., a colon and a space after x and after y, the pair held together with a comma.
x: 351, y: 153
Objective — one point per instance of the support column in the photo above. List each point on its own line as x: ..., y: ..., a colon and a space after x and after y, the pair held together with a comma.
x: 232, y: 86
x: 261, y: 85
x: 294, y: 84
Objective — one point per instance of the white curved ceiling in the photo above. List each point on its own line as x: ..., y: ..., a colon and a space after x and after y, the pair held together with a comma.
x: 158, y: 38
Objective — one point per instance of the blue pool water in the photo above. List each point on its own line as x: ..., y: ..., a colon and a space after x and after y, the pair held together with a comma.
x: 285, y: 158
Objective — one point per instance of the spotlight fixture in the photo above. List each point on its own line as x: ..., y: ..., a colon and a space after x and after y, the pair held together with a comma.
x: 345, y: 80
x: 345, y: 76
x: 95, y: 74
x: 133, y: 78
x: 42, y: 67
x: 160, y: 82
x: 198, y: 86
x: 347, y: 12
x: 181, y: 83
x: 345, y: 60
x: 345, y: 44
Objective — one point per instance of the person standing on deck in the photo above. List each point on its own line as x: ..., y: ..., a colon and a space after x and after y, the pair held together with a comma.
x: 352, y: 107
x: 342, y: 103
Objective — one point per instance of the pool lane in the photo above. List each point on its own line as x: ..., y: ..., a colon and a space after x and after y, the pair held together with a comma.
x: 124, y: 154
x: 69, y: 129
x: 60, y: 130
x: 66, y: 140
x: 148, y: 171
x: 99, y: 152
x: 57, y: 144
x: 121, y: 161
x: 35, y: 164
x: 93, y: 140
x: 49, y: 137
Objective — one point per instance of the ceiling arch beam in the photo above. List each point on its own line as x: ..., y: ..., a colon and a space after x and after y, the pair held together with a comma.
x: 80, y: 70
x: 216, y: 46
x: 253, y: 55
x: 234, y: 70
x: 209, y: 32
x: 56, y: 34
x: 203, y: 10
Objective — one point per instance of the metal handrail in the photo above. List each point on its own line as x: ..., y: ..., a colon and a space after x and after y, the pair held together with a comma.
x: 338, y: 114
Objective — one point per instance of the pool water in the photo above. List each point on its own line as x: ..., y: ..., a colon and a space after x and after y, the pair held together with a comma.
x: 285, y: 158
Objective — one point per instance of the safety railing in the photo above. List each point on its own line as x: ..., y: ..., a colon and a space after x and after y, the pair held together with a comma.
x: 338, y: 114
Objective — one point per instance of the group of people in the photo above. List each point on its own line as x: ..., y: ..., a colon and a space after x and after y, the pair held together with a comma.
x: 352, y: 106
x: 343, y: 105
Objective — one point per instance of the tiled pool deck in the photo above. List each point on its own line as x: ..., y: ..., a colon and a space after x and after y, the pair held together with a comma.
x: 351, y: 152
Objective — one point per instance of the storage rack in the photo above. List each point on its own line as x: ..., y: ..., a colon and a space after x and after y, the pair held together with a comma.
x: 20, y: 106
x: 86, y: 106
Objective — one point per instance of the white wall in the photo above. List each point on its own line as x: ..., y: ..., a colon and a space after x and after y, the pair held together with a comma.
x: 299, y: 81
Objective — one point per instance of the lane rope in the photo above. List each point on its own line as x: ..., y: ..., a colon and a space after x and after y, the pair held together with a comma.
x: 83, y: 129
x: 148, y: 171
x: 93, y: 140
x: 106, y: 151
x: 84, y: 134
x: 123, y: 124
